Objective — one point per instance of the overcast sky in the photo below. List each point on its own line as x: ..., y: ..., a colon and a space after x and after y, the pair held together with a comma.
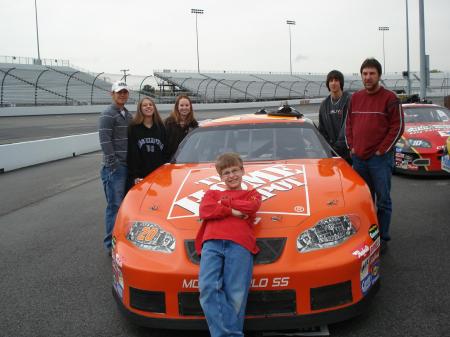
x: 146, y: 35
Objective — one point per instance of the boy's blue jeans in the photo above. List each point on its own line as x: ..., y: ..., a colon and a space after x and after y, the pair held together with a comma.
x: 377, y: 173
x: 225, y: 274
x: 114, y: 183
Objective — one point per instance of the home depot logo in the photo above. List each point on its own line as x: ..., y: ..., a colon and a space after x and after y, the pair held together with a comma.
x: 283, y: 187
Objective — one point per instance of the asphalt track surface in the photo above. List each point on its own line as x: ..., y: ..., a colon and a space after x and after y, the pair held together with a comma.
x: 27, y: 128
x: 55, y: 278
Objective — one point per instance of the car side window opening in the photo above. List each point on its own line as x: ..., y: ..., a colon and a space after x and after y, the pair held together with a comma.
x: 253, y: 143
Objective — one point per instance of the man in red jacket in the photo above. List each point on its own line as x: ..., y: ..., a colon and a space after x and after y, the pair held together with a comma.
x: 374, y: 124
x: 227, y: 243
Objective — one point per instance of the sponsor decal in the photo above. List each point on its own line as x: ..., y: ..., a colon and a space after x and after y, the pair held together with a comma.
x: 400, y: 155
x: 273, y: 182
x: 374, y: 257
x: 359, y: 253
x: 375, y: 271
x: 364, y: 269
x: 375, y: 246
x: 427, y: 128
x: 117, y: 259
x: 444, y: 133
x: 117, y: 277
x: 366, y: 284
x: 445, y: 163
x: 374, y: 232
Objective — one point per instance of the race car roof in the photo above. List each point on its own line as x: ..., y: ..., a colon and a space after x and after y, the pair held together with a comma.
x: 253, y: 118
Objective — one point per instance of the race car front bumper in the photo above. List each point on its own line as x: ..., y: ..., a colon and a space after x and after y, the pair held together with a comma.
x: 266, y: 323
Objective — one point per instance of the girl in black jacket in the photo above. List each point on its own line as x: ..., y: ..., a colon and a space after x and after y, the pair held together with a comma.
x: 147, y: 141
x: 180, y: 122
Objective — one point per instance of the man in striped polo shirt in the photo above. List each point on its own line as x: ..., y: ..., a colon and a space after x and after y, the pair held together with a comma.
x: 113, y: 131
x: 374, y: 124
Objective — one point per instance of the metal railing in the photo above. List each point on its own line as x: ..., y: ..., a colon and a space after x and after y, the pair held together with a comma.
x: 34, y: 61
x: 56, y: 82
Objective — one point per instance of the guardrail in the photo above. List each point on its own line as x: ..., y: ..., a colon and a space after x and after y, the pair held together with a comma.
x: 91, y: 109
x: 23, y: 154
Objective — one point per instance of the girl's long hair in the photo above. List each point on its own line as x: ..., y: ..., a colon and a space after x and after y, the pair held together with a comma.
x: 139, y: 116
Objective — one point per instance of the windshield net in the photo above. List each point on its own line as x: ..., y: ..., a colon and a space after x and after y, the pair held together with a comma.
x: 253, y: 143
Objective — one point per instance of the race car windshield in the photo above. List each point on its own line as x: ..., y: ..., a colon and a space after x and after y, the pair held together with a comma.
x: 427, y: 115
x: 253, y: 143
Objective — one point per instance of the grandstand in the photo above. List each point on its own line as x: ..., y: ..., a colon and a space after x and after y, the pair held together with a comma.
x: 233, y: 87
x: 27, y: 84
x: 24, y: 82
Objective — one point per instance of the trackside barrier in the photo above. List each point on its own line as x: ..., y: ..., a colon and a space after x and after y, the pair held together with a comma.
x: 18, y: 155
x: 90, y: 109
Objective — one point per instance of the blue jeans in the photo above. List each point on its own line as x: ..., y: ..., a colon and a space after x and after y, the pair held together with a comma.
x: 377, y: 172
x: 114, y: 181
x: 225, y: 274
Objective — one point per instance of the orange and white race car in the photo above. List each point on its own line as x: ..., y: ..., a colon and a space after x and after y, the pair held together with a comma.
x: 316, y: 229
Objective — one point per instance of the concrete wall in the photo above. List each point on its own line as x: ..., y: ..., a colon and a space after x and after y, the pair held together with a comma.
x: 18, y: 155
x: 90, y: 109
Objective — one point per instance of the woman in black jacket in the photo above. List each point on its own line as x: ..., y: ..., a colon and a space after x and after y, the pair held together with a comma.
x: 180, y: 122
x: 147, y: 141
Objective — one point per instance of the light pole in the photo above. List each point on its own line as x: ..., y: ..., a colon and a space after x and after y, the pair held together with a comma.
x: 124, y: 77
x: 37, y: 32
x: 290, y: 23
x: 408, y: 78
x: 423, y: 61
x: 384, y: 29
x: 196, y: 12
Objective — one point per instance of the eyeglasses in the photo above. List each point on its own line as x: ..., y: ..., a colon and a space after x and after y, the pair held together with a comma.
x: 226, y: 173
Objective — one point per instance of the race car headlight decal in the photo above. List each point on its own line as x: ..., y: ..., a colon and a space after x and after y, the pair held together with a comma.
x: 326, y: 233
x: 419, y: 143
x: 147, y: 235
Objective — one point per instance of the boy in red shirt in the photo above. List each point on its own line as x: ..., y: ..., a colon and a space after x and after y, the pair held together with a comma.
x: 227, y: 244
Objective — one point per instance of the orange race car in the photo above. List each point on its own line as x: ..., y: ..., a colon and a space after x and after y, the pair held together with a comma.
x: 317, y: 229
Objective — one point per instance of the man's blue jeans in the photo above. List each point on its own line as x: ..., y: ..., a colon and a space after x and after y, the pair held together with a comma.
x: 377, y: 172
x: 114, y: 182
x: 225, y: 274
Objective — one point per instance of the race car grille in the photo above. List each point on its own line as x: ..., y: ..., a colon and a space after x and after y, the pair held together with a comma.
x: 421, y: 162
x: 331, y: 296
x: 151, y: 301
x: 270, y: 250
x: 259, y: 303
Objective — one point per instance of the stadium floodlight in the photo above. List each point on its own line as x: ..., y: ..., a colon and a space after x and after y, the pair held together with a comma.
x: 290, y: 23
x: 197, y: 11
x: 384, y: 29
x: 37, y: 31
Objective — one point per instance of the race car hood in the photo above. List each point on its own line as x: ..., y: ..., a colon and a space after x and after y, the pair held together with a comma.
x: 291, y: 191
x: 435, y: 133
